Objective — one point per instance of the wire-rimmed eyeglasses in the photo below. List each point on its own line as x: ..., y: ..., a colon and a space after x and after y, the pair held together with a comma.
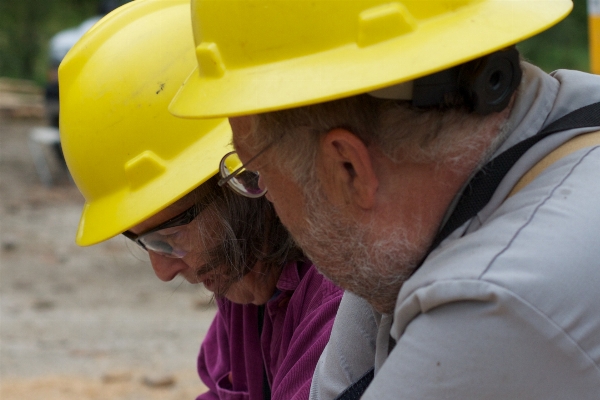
x: 242, y: 181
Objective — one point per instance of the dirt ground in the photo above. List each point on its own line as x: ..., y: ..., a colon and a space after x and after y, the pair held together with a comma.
x: 84, y: 323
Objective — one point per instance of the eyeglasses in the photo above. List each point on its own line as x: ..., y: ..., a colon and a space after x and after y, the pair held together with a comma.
x: 242, y: 181
x: 161, y: 241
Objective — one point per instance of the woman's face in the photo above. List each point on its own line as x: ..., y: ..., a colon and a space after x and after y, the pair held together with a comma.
x: 195, y: 238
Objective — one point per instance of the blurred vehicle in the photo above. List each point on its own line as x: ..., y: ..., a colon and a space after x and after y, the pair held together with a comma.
x: 59, y: 46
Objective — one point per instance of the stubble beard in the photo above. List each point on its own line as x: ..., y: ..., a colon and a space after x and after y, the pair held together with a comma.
x: 365, y: 260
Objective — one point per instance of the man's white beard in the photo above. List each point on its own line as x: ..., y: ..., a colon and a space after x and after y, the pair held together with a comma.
x: 365, y: 260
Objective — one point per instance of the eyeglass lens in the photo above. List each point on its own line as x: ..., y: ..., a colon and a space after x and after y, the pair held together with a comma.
x: 243, y: 182
x: 158, y: 243
x: 161, y: 241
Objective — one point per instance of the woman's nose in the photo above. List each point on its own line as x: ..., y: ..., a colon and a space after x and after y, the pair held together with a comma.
x: 166, y: 268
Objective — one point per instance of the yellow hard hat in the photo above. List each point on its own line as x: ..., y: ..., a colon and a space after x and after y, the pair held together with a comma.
x: 129, y: 157
x: 263, y: 55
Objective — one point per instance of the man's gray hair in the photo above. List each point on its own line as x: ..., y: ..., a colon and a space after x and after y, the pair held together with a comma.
x: 396, y: 128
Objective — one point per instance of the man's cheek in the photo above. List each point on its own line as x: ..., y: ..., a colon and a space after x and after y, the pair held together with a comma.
x: 268, y: 196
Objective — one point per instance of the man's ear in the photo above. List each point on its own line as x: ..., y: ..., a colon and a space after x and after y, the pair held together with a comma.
x: 348, y: 166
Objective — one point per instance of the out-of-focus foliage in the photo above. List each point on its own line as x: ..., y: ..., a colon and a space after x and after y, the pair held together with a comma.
x: 562, y: 46
x: 26, y: 26
x: 20, y: 35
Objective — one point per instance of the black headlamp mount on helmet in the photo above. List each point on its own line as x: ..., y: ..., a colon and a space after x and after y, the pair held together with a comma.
x: 486, y: 84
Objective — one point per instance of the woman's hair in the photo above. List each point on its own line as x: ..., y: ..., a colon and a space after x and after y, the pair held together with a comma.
x: 248, y: 231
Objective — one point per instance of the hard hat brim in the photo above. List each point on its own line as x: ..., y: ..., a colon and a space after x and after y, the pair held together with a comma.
x: 129, y: 157
x: 472, y: 31
x: 115, y: 213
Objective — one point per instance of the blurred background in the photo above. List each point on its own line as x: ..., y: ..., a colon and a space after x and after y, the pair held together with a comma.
x: 95, y: 323
x: 75, y: 323
x: 26, y: 27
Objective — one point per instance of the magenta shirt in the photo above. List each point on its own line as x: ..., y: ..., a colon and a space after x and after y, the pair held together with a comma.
x: 297, y: 325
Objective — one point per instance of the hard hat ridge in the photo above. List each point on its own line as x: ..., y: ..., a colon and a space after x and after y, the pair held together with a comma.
x: 264, y: 55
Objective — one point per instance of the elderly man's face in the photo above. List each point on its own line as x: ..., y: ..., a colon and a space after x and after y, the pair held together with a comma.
x: 367, y: 220
x: 371, y: 263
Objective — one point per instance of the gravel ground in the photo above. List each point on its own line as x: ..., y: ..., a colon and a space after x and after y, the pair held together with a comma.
x: 84, y: 323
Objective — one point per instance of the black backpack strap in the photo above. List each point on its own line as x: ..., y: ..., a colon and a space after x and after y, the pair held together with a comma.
x: 356, y: 390
x: 482, y: 186
x: 479, y: 191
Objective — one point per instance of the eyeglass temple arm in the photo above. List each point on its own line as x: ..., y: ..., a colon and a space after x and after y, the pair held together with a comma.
x: 229, y: 177
x: 226, y: 179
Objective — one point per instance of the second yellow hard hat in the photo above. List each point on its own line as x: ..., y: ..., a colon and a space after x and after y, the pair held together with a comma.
x: 129, y: 157
x: 264, y: 55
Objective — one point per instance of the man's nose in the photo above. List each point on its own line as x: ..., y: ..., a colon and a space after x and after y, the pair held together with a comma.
x: 166, y: 268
